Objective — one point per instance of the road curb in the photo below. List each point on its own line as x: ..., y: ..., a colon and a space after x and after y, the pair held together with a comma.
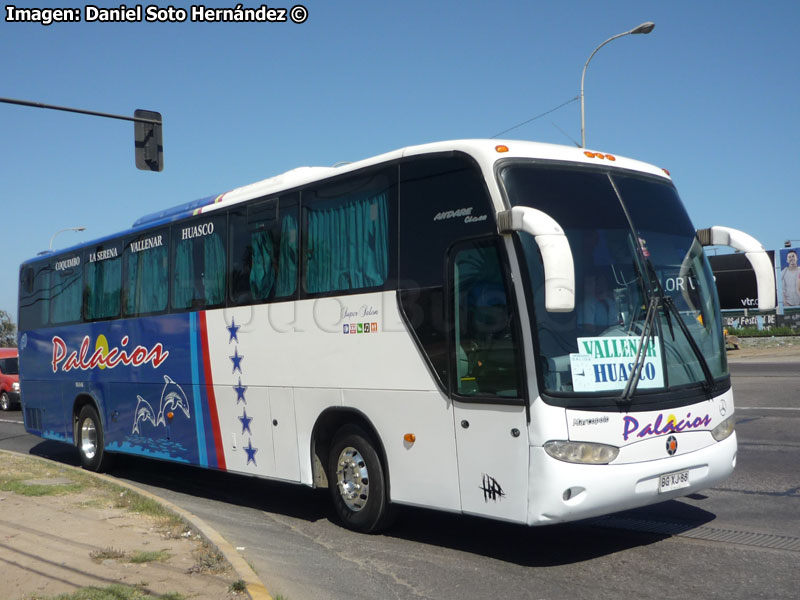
x: 255, y: 588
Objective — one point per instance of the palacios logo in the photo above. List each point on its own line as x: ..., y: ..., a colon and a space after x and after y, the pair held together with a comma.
x: 104, y: 355
x: 662, y: 425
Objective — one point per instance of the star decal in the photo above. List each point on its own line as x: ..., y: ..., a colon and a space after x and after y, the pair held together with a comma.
x: 240, y: 389
x: 233, y: 329
x: 246, y: 422
x: 251, y: 453
x: 237, y: 360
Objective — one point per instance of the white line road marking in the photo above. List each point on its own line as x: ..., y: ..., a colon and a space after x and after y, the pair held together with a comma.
x: 767, y: 408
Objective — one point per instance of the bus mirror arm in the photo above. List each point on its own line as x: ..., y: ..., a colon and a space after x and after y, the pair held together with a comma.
x: 559, y: 269
x: 755, y: 253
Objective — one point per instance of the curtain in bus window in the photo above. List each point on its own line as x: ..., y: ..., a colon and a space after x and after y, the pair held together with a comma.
x: 66, y: 296
x: 287, y: 258
x: 348, y: 245
x: 183, y: 282
x: 154, y: 289
x: 103, y: 280
x: 132, y: 286
x: 262, y: 277
x: 146, y: 281
x: 214, y: 274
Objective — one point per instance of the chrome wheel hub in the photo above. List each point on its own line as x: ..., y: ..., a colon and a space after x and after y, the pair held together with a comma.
x: 88, y: 439
x: 352, y: 479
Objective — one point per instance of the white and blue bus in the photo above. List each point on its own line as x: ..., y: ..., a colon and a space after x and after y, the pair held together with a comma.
x: 515, y: 330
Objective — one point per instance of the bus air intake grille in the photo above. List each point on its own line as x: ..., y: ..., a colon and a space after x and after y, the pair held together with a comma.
x: 33, y: 418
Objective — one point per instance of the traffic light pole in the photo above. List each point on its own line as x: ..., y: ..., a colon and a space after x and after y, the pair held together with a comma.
x: 148, y: 131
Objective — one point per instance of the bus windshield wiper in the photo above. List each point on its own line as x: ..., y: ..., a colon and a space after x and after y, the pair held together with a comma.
x: 641, y: 353
x: 670, y: 309
x: 669, y: 304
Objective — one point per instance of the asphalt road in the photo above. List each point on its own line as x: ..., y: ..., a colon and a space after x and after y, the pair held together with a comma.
x: 739, y: 540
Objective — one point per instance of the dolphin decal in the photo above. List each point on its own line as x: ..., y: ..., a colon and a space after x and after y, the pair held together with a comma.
x: 172, y: 398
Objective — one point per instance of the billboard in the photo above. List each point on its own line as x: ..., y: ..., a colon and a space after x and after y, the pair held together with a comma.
x: 789, y: 286
x: 736, y: 280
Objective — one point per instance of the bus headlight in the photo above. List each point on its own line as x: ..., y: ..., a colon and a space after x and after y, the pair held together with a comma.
x: 724, y: 429
x: 581, y: 452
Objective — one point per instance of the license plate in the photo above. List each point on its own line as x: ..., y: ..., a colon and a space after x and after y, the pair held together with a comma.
x: 673, y: 481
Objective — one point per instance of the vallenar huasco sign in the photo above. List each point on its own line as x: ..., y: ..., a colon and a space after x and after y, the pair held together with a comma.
x: 606, y: 363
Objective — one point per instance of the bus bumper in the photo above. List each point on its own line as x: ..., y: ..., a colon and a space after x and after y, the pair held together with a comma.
x: 575, y: 491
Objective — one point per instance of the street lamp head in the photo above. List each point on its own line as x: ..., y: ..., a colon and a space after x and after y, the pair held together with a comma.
x: 644, y: 28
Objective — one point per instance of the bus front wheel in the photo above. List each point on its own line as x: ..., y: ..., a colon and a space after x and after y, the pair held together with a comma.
x: 357, y: 481
x: 91, y: 445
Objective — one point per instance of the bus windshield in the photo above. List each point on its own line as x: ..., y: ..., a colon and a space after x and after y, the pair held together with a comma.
x: 633, y: 246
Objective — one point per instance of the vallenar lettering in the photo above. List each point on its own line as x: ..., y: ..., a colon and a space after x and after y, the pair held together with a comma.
x: 615, y: 348
x: 146, y: 244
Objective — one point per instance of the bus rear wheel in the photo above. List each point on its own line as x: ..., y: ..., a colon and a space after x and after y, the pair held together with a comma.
x: 91, y: 443
x: 357, y: 481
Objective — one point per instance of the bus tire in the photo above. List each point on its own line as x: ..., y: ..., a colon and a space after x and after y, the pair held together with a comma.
x: 357, y: 481
x: 91, y: 441
x: 5, y: 401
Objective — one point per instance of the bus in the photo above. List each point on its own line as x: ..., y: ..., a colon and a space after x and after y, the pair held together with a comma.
x: 515, y: 330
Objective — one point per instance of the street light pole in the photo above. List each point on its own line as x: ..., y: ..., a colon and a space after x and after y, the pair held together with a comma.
x: 643, y: 28
x: 52, y: 239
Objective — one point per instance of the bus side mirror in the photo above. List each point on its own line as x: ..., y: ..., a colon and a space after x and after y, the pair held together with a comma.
x: 754, y: 251
x: 559, y: 269
x: 147, y: 140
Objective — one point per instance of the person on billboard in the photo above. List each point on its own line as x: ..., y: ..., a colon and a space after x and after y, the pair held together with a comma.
x: 790, y: 280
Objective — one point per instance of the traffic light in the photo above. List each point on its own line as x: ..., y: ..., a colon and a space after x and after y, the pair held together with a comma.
x: 148, y: 140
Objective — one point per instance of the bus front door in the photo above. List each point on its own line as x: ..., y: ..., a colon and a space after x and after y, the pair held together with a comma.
x: 489, y: 411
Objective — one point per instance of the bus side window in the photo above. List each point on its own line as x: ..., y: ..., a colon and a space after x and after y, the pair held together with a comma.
x: 103, y: 282
x: 145, y: 287
x: 347, y: 234
x: 437, y: 194
x: 263, y: 239
x: 485, y: 352
x: 34, y: 296
x: 65, y: 289
x: 199, y: 266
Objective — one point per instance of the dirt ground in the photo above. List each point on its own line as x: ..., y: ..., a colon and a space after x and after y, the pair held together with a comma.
x: 764, y: 348
x: 77, y: 536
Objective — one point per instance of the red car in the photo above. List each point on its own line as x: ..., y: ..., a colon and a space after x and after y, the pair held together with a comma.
x: 9, y: 378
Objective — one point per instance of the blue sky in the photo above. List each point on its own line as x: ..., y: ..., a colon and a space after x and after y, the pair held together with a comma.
x: 710, y: 95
